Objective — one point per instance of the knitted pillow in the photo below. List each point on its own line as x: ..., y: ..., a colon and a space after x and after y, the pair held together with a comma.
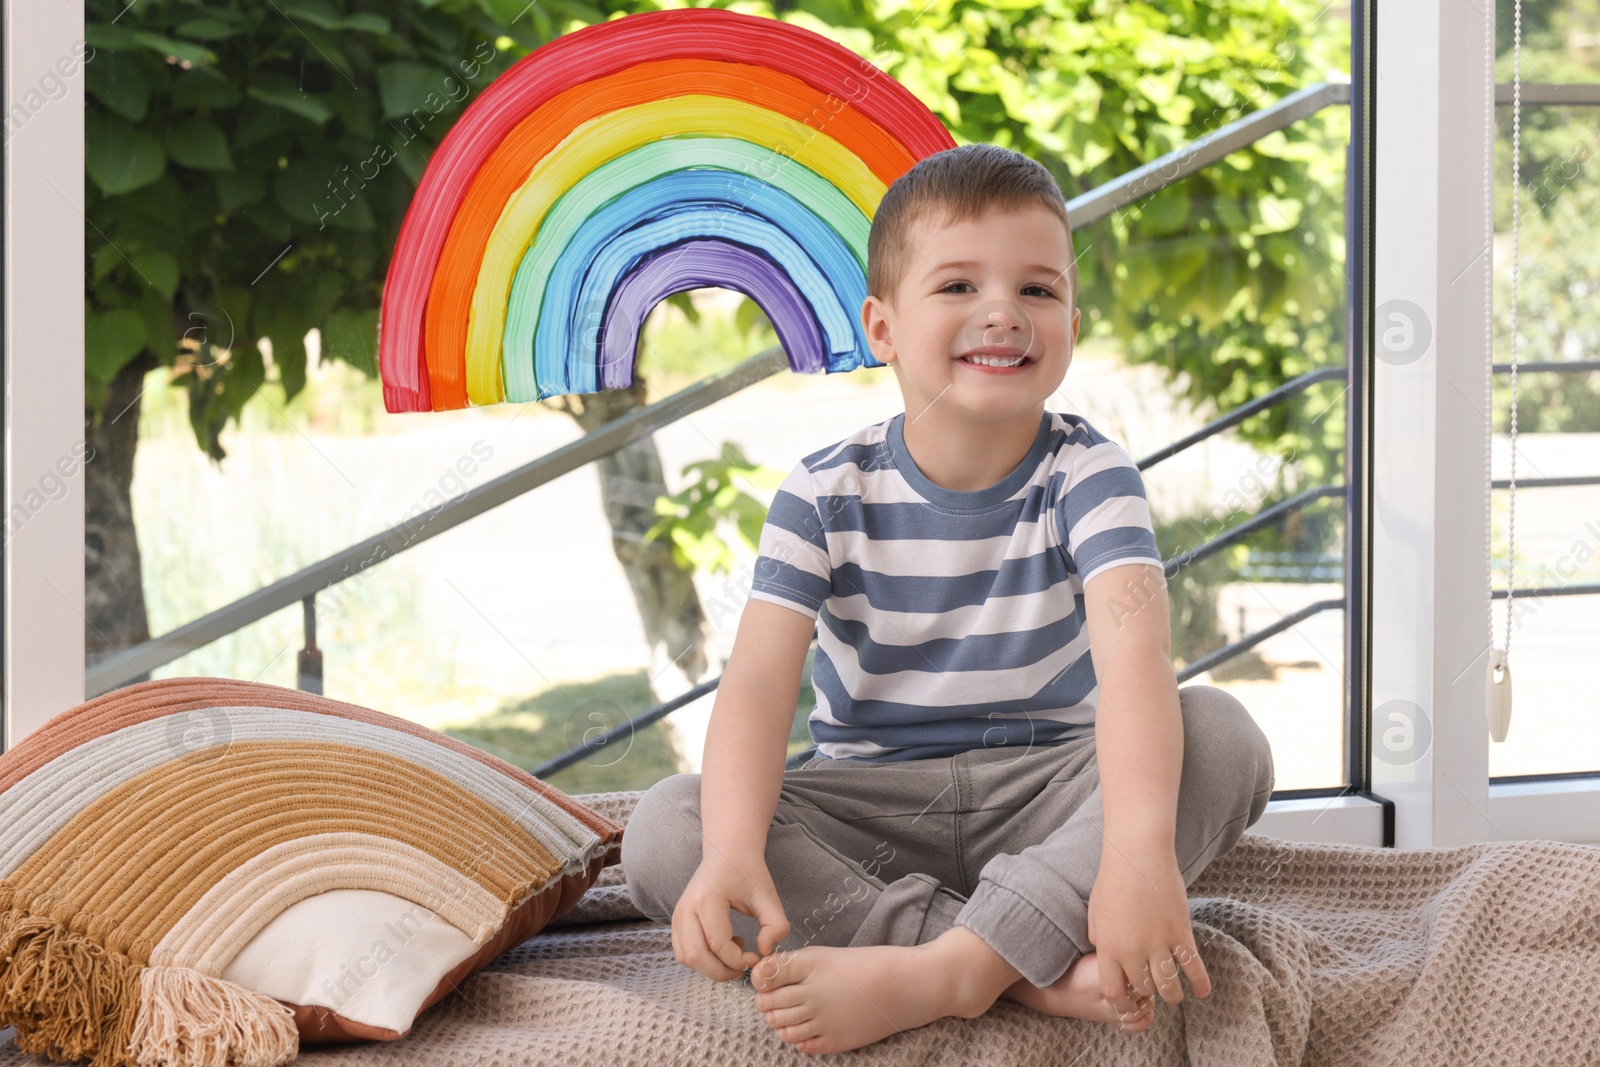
x: 206, y: 871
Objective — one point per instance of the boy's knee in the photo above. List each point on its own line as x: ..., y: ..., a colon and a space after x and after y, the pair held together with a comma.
x: 1218, y: 731
x: 661, y: 844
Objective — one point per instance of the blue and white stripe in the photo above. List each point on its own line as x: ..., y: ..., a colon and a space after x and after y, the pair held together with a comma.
x: 951, y: 620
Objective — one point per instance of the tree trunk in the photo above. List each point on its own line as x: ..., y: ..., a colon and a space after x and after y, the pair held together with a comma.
x: 113, y: 580
x: 669, y: 605
x: 630, y: 480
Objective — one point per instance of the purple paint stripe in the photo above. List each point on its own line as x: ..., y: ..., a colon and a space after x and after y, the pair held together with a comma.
x: 699, y: 263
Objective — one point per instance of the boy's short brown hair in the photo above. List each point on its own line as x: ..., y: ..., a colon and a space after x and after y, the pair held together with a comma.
x: 956, y: 184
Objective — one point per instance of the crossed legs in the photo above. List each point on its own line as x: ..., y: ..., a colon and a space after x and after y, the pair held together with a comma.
x: 870, y: 954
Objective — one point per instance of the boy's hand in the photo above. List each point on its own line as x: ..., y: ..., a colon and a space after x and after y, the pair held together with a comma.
x: 1139, y: 925
x: 702, y: 933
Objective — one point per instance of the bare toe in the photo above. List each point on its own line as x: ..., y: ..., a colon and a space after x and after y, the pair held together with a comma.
x: 785, y: 996
x: 1136, y: 1021
x: 799, y: 1033
x: 783, y: 1017
x: 779, y: 970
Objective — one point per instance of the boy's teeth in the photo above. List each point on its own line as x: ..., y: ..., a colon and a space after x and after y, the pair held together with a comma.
x: 994, y: 361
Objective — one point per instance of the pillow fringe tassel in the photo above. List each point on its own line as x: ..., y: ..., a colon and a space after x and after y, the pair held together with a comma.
x: 194, y: 1020
x: 70, y: 998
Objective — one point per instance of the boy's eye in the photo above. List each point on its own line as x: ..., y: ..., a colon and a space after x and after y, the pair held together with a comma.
x: 1043, y: 290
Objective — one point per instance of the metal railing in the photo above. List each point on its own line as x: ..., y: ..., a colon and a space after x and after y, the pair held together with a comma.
x: 124, y: 666
x: 1176, y: 165
x: 1276, y: 512
x: 120, y: 668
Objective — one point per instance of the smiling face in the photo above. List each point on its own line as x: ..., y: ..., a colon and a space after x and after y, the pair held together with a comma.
x: 994, y: 286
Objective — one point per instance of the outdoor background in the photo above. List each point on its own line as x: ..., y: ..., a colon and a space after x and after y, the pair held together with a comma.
x: 240, y: 431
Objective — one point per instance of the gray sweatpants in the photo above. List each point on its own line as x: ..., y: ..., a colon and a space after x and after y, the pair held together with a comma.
x: 1005, y: 841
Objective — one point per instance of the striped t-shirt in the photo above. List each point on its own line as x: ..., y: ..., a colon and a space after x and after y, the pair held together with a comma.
x: 950, y: 620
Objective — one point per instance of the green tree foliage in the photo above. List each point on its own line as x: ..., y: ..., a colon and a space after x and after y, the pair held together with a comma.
x: 1232, y: 280
x: 1558, y: 314
x: 1558, y: 171
x: 248, y: 168
x: 695, y: 520
x: 250, y: 164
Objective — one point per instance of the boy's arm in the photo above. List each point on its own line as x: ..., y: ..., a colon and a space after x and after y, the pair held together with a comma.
x: 747, y: 737
x: 740, y: 779
x: 1139, y: 898
x: 1137, y: 723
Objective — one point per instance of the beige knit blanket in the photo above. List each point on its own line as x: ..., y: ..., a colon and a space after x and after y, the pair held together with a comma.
x: 1323, y: 955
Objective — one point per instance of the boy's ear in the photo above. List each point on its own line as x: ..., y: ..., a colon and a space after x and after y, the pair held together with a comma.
x: 876, y: 324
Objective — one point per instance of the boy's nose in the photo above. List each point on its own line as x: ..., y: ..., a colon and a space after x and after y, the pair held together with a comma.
x: 999, y: 322
x: 1001, y: 311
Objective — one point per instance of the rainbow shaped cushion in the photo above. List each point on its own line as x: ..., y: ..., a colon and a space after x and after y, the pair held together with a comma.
x: 625, y: 162
x: 199, y: 871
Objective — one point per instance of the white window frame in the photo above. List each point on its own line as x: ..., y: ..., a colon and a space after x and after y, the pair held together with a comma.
x: 1426, y: 635
x: 43, y: 578
x: 1425, y: 581
x: 1430, y: 593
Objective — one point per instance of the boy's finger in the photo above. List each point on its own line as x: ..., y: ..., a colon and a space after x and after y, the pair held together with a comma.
x: 718, y: 931
x: 1161, y: 979
x: 753, y: 912
x: 747, y: 958
x: 771, y: 935
x: 683, y: 921
x: 708, y: 963
x: 1111, y: 978
x: 1114, y: 985
x: 1143, y: 984
x: 1138, y: 992
x: 1195, y: 968
x: 774, y: 927
x: 692, y: 950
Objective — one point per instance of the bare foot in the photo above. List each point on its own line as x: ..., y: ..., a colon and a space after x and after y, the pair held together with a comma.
x: 822, y: 999
x: 1076, y: 994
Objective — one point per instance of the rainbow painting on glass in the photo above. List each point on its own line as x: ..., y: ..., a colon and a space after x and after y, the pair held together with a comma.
x: 630, y: 160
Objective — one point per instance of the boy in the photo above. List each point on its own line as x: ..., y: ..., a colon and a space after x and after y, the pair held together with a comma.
x: 949, y: 846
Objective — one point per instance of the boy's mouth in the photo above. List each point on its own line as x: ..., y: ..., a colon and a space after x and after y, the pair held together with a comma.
x: 999, y: 356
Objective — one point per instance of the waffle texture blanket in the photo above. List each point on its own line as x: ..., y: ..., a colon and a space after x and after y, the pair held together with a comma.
x: 1478, y: 956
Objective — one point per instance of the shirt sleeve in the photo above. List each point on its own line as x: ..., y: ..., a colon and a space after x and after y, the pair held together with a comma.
x: 792, y: 564
x: 1103, y: 517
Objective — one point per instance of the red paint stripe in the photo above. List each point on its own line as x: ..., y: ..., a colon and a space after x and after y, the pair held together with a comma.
x: 594, y: 52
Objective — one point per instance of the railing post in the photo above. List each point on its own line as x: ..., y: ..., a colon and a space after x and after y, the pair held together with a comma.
x: 310, y: 679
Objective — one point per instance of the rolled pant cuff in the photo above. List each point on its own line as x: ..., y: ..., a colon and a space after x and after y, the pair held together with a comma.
x: 1025, y: 937
x: 912, y: 910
